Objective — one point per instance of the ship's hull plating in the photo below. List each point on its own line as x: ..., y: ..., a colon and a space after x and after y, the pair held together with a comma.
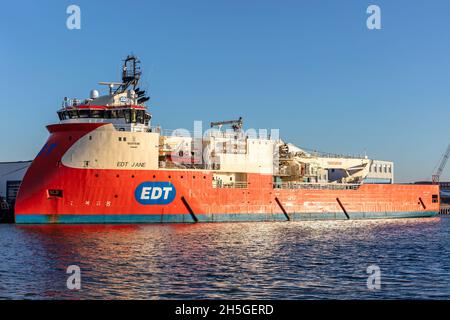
x: 228, y: 217
x: 96, y: 195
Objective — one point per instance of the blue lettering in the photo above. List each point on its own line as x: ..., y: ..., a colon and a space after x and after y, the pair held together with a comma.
x: 47, y: 149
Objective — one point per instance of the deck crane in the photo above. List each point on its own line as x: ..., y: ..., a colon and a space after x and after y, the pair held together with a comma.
x: 235, y: 124
x: 437, y: 175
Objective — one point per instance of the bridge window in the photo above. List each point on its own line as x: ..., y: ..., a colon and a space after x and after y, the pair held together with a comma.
x: 97, y: 114
x: 73, y: 114
x: 434, y: 198
x: 130, y: 115
x: 140, y: 116
x: 83, y: 113
x: 134, y: 116
x: 127, y: 115
x: 63, y: 115
x: 146, y: 118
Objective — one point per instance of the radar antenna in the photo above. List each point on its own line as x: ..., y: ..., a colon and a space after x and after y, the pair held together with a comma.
x: 111, y: 85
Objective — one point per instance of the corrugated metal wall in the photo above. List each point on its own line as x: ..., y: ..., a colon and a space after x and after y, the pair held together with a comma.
x: 12, y: 172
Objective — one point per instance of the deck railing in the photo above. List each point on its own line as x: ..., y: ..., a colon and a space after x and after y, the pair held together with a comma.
x: 315, y: 186
x: 215, y: 133
x: 236, y: 184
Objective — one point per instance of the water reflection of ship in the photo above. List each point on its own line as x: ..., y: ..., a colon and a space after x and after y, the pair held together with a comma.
x: 218, y: 261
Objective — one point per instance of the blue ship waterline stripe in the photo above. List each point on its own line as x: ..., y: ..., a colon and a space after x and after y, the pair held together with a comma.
x: 228, y: 217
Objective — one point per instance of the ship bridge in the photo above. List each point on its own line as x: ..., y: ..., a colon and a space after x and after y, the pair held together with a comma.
x: 124, y: 105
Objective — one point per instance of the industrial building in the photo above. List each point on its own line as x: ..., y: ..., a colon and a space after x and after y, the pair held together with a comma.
x: 11, y: 175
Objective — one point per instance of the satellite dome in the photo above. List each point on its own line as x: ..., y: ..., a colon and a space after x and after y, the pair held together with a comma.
x: 94, y: 94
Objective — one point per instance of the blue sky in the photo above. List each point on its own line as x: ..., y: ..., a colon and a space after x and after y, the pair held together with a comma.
x: 310, y: 68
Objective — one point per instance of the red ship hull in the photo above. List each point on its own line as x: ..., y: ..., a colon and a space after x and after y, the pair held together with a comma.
x: 110, y: 196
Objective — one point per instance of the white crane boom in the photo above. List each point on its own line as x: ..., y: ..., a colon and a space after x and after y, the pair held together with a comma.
x: 441, y: 167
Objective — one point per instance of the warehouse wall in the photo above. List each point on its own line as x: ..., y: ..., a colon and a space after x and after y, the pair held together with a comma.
x: 11, y: 171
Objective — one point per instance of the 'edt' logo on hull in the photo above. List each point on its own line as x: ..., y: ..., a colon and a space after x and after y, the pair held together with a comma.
x: 155, y: 193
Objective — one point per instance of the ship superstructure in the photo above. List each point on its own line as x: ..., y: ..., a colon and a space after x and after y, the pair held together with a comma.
x: 105, y: 162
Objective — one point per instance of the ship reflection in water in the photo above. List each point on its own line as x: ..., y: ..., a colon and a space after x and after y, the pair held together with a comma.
x: 297, y: 260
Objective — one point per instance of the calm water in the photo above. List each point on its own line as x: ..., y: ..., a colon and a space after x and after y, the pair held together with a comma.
x: 296, y: 260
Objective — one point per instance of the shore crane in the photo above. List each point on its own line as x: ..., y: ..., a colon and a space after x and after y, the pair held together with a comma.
x: 435, y: 178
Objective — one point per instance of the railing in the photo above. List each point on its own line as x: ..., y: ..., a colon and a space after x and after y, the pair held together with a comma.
x: 315, y: 186
x: 236, y: 184
x: 290, y: 185
x: 444, y: 210
x: 322, y: 154
x: 213, y: 133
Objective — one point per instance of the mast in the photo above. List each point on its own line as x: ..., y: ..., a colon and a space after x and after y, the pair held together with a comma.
x: 131, y: 74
